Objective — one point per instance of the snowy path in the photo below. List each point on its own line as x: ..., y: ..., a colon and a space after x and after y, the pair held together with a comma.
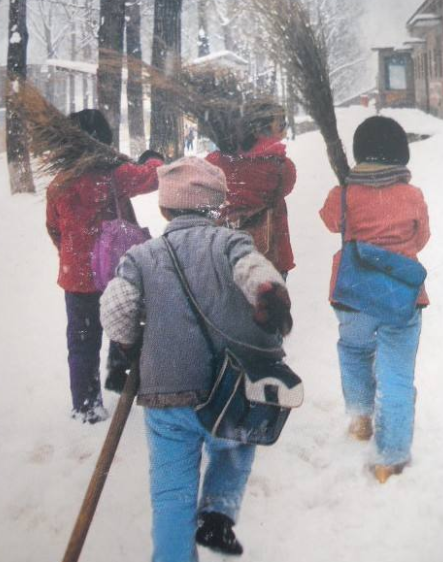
x: 310, y: 498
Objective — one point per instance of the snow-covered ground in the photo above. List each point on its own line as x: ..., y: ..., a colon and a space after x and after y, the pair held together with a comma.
x: 310, y: 497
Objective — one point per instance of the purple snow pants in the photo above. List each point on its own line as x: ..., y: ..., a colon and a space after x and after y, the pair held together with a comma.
x: 84, y: 335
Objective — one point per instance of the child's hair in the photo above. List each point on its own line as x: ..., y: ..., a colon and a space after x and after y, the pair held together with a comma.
x: 150, y: 155
x: 381, y: 139
x: 93, y: 122
x: 202, y: 212
x: 257, y: 121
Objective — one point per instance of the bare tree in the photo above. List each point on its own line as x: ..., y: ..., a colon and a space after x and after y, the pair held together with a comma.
x: 66, y: 29
x: 342, y: 32
x: 110, y: 62
x: 203, y: 35
x: 227, y: 12
x: 166, y: 119
x: 20, y: 173
x: 135, y: 85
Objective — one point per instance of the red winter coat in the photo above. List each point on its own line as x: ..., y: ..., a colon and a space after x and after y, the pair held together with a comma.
x: 261, y: 177
x: 76, y: 209
x: 394, y: 217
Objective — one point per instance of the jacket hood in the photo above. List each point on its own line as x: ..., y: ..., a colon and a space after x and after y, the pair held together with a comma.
x: 265, y: 147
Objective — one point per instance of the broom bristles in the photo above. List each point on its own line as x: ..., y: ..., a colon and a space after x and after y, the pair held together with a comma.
x: 301, y: 47
x: 58, y: 144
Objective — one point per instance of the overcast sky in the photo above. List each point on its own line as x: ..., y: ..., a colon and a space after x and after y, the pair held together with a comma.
x: 385, y: 23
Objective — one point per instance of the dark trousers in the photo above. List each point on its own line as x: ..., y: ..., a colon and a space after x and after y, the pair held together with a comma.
x: 84, y: 335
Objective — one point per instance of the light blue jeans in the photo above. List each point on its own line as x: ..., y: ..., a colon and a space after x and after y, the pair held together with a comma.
x: 377, y: 364
x: 175, y: 441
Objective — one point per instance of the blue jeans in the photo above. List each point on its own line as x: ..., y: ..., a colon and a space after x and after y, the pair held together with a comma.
x: 377, y: 364
x: 175, y: 441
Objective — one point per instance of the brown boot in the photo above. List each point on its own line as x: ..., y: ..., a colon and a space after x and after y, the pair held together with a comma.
x: 382, y: 472
x: 360, y: 428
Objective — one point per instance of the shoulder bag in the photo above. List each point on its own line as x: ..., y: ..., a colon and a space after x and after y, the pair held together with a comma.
x: 375, y: 281
x: 249, y: 402
x: 115, y: 239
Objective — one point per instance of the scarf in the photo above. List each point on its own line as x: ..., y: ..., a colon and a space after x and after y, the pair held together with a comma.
x: 378, y: 175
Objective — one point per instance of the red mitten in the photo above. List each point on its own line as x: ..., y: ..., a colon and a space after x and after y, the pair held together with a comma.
x: 273, y: 308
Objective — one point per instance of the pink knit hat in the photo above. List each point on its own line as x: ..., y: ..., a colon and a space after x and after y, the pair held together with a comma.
x: 191, y: 183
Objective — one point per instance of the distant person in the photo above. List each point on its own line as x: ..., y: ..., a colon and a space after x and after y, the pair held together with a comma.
x: 75, y: 211
x: 190, y: 139
x: 243, y: 294
x: 259, y: 177
x: 377, y: 360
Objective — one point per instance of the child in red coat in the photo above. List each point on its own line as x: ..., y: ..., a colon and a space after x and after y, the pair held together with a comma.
x: 75, y: 210
x: 259, y: 177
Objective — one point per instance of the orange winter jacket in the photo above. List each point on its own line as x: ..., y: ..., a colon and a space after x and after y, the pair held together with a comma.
x: 394, y: 217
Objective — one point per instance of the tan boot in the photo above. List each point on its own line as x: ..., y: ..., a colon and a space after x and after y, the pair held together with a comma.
x: 382, y: 473
x: 360, y: 428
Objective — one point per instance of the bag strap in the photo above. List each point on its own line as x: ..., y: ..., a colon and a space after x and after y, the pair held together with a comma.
x: 191, y: 299
x: 344, y: 210
x: 131, y: 216
x: 203, y: 321
x: 264, y: 210
x: 115, y: 197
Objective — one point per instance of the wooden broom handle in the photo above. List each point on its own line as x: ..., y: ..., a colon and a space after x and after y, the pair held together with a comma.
x: 98, y: 479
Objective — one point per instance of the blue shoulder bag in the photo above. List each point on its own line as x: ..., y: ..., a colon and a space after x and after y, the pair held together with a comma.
x: 375, y: 281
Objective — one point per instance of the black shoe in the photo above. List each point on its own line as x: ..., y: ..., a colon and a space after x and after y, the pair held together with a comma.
x: 115, y: 381
x: 215, y: 531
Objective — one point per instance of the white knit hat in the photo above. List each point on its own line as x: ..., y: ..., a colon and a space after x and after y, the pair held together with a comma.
x: 191, y: 183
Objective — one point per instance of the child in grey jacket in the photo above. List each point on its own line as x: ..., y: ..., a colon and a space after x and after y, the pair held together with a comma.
x: 246, y: 298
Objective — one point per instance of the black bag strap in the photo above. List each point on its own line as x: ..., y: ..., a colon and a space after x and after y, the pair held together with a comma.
x: 190, y: 296
x: 203, y: 321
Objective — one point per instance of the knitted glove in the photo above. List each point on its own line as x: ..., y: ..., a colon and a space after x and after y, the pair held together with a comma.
x: 272, y: 311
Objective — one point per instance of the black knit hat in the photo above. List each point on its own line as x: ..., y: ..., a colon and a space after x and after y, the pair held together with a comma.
x: 93, y: 122
x: 381, y: 139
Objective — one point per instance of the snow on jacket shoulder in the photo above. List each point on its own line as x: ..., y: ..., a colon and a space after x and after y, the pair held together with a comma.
x: 176, y: 364
x: 76, y: 209
x: 394, y: 217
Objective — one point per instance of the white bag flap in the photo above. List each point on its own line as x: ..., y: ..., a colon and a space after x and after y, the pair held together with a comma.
x: 274, y: 392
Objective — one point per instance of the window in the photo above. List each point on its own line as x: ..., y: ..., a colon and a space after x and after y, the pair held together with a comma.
x: 396, y: 73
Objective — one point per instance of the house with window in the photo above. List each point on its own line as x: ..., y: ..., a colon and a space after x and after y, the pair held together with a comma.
x: 426, y: 29
x: 395, y: 77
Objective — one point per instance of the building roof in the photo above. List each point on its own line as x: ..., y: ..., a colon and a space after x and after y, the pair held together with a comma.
x: 423, y: 10
x: 424, y: 20
x: 221, y: 58
x: 76, y: 66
